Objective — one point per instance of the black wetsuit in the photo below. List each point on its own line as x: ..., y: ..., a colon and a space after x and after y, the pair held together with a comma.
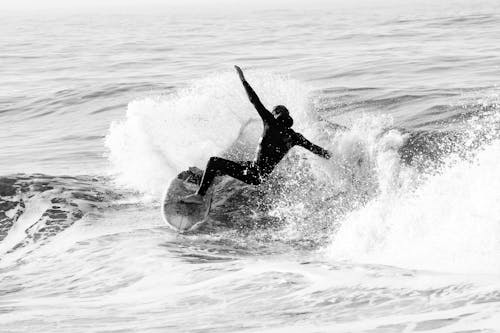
x: 275, y: 143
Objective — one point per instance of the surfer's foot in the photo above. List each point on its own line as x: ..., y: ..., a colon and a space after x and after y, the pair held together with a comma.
x: 193, y: 199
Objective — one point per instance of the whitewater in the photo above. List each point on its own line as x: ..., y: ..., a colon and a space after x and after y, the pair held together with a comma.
x: 398, y: 232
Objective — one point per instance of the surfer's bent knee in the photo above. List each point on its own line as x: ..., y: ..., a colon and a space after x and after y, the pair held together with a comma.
x: 214, y: 165
x: 214, y: 159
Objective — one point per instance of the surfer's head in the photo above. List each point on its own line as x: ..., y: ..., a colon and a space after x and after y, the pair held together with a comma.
x: 281, y: 114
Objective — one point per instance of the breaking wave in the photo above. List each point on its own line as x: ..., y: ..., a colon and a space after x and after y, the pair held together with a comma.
x: 382, y: 198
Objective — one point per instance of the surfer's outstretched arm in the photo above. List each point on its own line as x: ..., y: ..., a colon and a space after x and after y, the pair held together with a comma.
x: 303, y: 142
x: 254, y: 99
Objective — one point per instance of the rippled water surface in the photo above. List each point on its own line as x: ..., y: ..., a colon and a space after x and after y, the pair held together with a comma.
x: 398, y: 232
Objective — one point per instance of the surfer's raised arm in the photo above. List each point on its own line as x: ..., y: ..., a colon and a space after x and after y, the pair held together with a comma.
x: 254, y: 99
x: 303, y: 142
x: 277, y: 139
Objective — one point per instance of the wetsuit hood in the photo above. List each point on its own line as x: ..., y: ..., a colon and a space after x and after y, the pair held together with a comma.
x: 280, y: 113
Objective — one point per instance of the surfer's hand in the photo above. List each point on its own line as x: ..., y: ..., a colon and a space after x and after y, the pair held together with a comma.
x: 240, y: 72
x: 327, y: 155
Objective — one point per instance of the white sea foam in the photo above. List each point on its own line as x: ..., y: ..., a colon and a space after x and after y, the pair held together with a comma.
x: 318, y: 192
x: 449, y: 222
x: 444, y: 217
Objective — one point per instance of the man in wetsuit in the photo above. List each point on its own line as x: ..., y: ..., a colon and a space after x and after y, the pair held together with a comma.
x: 277, y: 139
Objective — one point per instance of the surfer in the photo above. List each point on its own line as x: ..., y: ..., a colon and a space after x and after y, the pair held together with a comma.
x: 277, y: 139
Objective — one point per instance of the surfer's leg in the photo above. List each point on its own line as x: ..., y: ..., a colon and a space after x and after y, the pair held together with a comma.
x: 217, y: 166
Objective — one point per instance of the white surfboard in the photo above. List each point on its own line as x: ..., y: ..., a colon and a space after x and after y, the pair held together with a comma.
x: 181, y: 216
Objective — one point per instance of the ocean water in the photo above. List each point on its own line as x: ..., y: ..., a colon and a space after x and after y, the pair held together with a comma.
x: 398, y: 232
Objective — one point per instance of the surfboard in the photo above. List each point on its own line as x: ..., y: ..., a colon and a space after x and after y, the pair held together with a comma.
x: 181, y: 216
